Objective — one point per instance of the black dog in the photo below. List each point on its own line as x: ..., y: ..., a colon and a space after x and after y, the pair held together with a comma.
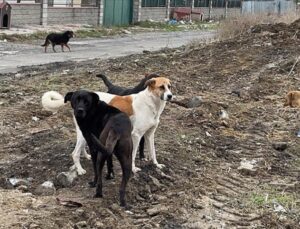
x: 61, y: 39
x: 117, y: 90
x: 97, y: 120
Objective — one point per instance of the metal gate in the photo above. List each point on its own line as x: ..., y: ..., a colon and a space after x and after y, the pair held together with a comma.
x: 117, y: 12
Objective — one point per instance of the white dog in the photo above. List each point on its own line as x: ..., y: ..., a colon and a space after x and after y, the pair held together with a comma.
x: 144, y: 110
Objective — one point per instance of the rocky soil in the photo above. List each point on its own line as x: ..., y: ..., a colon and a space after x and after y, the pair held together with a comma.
x: 231, y: 156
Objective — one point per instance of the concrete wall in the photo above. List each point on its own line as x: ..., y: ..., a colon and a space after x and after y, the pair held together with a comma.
x: 154, y: 13
x: 277, y: 6
x: 25, y: 14
x: 73, y: 15
x: 136, y: 14
x: 218, y: 13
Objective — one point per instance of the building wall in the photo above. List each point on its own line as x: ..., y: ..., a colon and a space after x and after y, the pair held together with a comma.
x: 73, y: 15
x: 25, y: 14
x: 218, y: 13
x: 153, y: 13
x: 278, y: 6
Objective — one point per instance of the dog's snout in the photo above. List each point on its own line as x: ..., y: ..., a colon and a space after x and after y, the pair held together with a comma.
x: 170, y: 96
x: 80, y: 112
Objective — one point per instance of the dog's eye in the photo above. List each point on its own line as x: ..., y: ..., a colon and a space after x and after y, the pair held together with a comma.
x: 86, y: 103
x: 169, y: 86
x: 162, y: 87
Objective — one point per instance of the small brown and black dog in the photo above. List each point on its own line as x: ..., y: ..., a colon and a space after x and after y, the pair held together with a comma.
x: 106, y: 130
x: 61, y: 39
x: 292, y: 99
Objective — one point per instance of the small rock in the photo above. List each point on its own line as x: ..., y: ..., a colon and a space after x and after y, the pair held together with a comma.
x: 146, y: 51
x: 129, y: 212
x: 159, y: 197
x: 163, y: 55
x: 278, y: 207
x: 155, y: 181
x: 34, y: 118
x: 66, y: 179
x: 126, y: 31
x: 197, y: 205
x: 280, y: 146
x: 247, y: 167
x: 34, y: 226
x: 22, y: 188
x: 81, y: 224
x: 46, y: 189
x: 208, y: 134
x: 98, y: 225
x: 194, y: 102
x: 115, y: 207
x: 236, y: 92
x: 157, y: 210
x: 15, y: 182
x: 223, y: 114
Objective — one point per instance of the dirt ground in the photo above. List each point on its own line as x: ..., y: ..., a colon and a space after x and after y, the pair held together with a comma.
x: 202, y: 185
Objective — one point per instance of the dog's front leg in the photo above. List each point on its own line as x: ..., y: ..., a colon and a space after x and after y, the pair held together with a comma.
x: 80, y: 147
x: 149, y: 138
x: 136, y: 137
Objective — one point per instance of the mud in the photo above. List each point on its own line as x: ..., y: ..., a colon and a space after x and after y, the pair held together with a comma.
x: 201, y: 185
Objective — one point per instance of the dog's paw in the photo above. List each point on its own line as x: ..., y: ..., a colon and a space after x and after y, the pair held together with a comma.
x: 98, y: 195
x: 73, y: 167
x: 81, y: 171
x: 160, y: 166
x: 135, y: 169
x: 110, y: 176
x: 144, y: 159
x: 87, y: 156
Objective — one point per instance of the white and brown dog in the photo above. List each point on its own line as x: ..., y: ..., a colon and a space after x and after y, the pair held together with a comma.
x: 144, y: 110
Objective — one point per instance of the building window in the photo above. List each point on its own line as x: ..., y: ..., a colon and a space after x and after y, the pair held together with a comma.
x: 218, y: 3
x: 201, y: 3
x: 181, y: 3
x: 153, y: 3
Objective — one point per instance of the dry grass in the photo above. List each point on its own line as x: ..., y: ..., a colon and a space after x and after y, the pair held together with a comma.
x: 232, y: 27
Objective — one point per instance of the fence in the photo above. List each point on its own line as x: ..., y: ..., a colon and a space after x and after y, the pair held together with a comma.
x: 214, y: 9
x: 36, y: 12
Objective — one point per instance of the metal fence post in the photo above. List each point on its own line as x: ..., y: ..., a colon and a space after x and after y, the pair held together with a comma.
x: 137, y: 8
x: 168, y: 9
x: 209, y: 9
x: 241, y: 9
x: 100, y: 4
x: 44, y: 12
x: 226, y: 8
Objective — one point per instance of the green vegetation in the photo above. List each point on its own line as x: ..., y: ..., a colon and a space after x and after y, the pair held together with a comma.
x: 85, y: 32
x: 267, y: 196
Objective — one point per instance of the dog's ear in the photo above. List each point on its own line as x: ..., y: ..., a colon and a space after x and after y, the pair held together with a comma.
x: 150, y: 83
x: 95, y: 97
x: 68, y: 96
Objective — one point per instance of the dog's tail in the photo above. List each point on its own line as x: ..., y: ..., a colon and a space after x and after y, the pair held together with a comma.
x: 52, y: 101
x: 105, y: 80
x: 46, y: 42
x: 111, y: 142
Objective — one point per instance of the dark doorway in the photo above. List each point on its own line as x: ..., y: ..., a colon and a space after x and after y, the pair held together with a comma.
x: 5, y: 21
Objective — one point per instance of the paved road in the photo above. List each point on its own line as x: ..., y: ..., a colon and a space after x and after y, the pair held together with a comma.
x: 18, y: 55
